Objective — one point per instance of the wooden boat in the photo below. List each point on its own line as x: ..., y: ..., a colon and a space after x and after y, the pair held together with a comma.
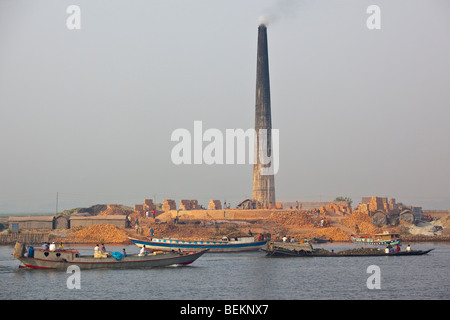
x: 286, y: 249
x: 227, y: 244
x: 302, y: 250
x: 61, y: 259
x: 377, y: 239
x: 322, y: 239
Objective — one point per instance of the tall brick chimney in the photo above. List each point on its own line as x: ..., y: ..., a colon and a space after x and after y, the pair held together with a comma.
x: 263, y: 185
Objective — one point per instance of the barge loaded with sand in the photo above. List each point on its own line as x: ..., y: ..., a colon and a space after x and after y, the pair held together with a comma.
x: 281, y: 249
x: 61, y: 259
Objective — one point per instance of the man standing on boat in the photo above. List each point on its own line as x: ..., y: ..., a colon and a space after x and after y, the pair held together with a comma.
x: 142, y: 252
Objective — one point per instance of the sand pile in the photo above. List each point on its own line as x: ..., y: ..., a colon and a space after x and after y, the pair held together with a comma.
x: 445, y: 221
x: 104, y: 233
x: 333, y: 233
x: 116, y: 209
x: 361, y: 251
x: 356, y: 218
x: 193, y: 232
x: 369, y: 228
x: 291, y: 218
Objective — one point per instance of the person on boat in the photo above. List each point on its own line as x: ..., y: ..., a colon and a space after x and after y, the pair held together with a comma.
x: 103, y: 248
x: 96, y: 248
x: 124, y: 252
x: 408, y: 248
x: 250, y: 233
x: 142, y: 252
x: 45, y: 246
x: 52, y: 246
x: 397, y: 249
x: 387, y: 249
x: 284, y: 239
x: 61, y: 247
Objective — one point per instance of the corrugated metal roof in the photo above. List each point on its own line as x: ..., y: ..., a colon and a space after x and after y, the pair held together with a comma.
x: 30, y: 218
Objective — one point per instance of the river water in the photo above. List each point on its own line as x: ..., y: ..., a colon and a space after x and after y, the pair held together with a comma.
x: 243, y: 276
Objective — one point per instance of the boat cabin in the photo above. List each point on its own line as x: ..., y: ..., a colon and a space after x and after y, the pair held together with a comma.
x: 241, y: 239
x: 57, y: 255
x: 386, y: 236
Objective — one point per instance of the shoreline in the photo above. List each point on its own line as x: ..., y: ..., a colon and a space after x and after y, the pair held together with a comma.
x: 68, y: 240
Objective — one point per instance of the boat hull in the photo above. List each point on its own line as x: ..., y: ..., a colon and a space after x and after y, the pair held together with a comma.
x: 212, y: 246
x: 284, y: 253
x: 128, y: 262
x: 376, y: 242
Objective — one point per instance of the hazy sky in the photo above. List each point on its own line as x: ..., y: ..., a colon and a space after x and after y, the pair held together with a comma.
x: 89, y: 113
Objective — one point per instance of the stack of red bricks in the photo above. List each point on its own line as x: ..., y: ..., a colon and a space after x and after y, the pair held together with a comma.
x: 214, y: 205
x: 169, y: 204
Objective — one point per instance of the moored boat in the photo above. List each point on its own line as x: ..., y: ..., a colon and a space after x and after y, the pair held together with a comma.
x: 227, y: 244
x: 321, y: 239
x: 61, y: 259
x: 286, y: 249
x: 377, y: 239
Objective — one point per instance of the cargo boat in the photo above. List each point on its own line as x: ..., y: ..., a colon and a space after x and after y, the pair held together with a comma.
x: 274, y: 249
x: 61, y: 259
x: 227, y: 244
x: 377, y: 239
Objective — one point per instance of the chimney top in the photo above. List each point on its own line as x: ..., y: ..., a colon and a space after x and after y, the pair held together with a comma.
x: 263, y: 21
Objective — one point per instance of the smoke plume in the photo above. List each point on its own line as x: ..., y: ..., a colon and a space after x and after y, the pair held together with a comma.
x: 279, y: 10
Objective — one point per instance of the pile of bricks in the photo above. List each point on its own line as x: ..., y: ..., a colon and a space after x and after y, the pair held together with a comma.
x: 147, y: 206
x: 372, y: 204
x: 214, y: 205
x: 169, y: 204
x: 185, y: 204
x: 194, y: 205
x: 335, y: 208
x: 189, y: 205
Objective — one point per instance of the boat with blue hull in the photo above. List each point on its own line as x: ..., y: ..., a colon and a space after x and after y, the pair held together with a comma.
x: 232, y: 244
x: 380, y: 239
